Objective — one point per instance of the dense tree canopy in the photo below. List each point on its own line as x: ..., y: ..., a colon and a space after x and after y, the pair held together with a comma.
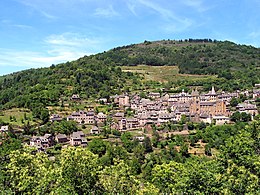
x: 234, y: 170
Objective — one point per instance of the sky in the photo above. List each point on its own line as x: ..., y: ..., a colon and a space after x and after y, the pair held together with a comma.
x: 39, y: 33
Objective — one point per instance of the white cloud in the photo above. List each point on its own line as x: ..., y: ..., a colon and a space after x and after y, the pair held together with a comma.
x: 132, y: 6
x: 10, y: 23
x: 175, y: 28
x: 254, y: 34
x: 59, y: 48
x: 167, y: 14
x: 172, y: 22
x: 108, y: 12
x: 198, y: 5
x: 68, y: 39
x: 38, y: 6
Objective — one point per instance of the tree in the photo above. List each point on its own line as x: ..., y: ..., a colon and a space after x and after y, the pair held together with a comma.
x: 147, y: 144
x: 30, y: 173
x: 128, y: 142
x: 234, y: 102
x: 167, y: 177
x: 184, y: 119
x: 79, y: 170
x: 238, y: 180
x: 97, y: 146
x: 208, y: 150
x: 139, y: 152
x: 118, y: 179
x: 236, y: 116
x: 245, y: 117
x: 184, y: 150
x: 155, y: 138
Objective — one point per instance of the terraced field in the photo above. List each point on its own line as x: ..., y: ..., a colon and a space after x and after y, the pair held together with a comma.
x: 163, y: 73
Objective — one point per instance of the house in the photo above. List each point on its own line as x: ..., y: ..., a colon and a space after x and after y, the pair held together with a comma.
x: 82, y: 117
x: 79, y: 117
x: 90, y: 118
x: 227, y: 96
x: 221, y: 120
x: 139, y: 138
x: 182, y: 97
x: 154, y: 95
x: 94, y: 130
x: 257, y: 85
x: 55, y: 117
x: 61, y: 138
x: 164, y: 117
x: 103, y: 100
x: 247, y: 108
x: 119, y: 115
x: 101, y: 117
x: 42, y: 142
x: 75, y: 97
x: 122, y: 124
x: 132, y: 123
x: 124, y: 101
x: 4, y: 128
x: 128, y: 124
x: 211, y: 95
x: 256, y: 94
x: 78, y: 139
x: 205, y: 118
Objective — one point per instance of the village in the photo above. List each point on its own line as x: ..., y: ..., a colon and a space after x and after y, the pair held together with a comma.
x: 153, y: 109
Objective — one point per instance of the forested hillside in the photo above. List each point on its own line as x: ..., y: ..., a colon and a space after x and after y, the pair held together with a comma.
x: 237, y: 64
x: 40, y: 87
x: 100, y: 75
x: 138, y: 168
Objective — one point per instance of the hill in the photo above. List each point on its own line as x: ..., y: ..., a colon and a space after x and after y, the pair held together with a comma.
x: 237, y: 64
x: 233, y: 67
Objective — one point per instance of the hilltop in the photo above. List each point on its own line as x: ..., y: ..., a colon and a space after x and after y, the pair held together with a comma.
x: 239, y: 64
x: 232, y: 67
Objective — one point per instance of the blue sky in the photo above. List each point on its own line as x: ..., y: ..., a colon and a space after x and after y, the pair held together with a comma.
x: 38, y: 33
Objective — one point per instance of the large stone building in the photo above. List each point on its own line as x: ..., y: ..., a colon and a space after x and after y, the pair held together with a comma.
x: 207, y: 104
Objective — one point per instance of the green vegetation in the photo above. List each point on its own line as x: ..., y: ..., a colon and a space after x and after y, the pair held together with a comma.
x: 205, y: 159
x: 17, y: 116
x: 165, y: 74
x: 236, y: 67
x: 134, y: 168
x: 38, y: 88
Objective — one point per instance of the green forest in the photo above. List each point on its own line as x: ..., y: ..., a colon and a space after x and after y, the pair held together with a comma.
x: 129, y: 167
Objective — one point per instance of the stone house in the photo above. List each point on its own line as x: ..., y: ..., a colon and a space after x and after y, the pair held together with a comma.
x: 4, y: 128
x: 221, y: 120
x: 55, y: 117
x: 42, y: 142
x: 124, y: 101
x: 154, y: 95
x: 75, y: 97
x: 61, y: 138
x: 247, y: 108
x: 78, y: 139
x: 94, y: 130
x: 82, y: 117
x: 101, y: 117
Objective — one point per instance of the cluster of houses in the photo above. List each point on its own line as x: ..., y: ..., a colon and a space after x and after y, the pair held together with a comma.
x: 48, y: 140
x: 156, y: 109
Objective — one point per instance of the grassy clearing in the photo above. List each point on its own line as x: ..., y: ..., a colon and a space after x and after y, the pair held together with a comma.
x: 163, y: 73
x: 16, y: 115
